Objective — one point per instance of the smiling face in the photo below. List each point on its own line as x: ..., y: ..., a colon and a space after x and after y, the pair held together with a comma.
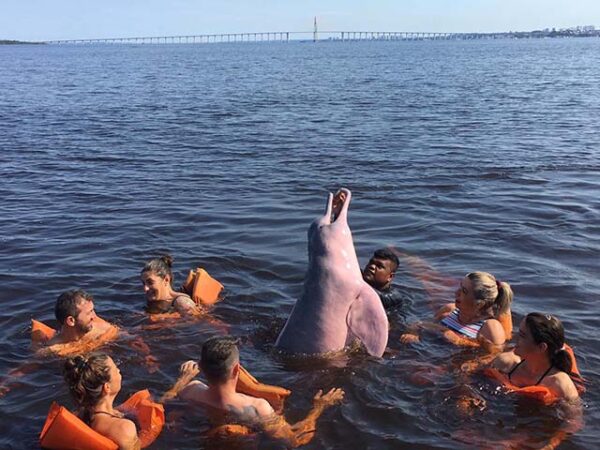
x: 526, y: 345
x: 155, y: 287
x: 84, y: 322
x: 379, y: 272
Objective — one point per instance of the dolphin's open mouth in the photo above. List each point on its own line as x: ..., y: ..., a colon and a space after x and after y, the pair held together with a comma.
x: 337, y: 204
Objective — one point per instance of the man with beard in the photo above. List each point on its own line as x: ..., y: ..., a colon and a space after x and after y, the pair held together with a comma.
x: 74, y: 311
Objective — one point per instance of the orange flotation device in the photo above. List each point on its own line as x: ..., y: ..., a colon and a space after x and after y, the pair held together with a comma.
x: 539, y: 393
x: 63, y: 430
x: 249, y: 385
x: 41, y: 333
x: 202, y: 288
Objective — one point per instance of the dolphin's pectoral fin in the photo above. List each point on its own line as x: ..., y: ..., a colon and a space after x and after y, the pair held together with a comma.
x: 367, y: 321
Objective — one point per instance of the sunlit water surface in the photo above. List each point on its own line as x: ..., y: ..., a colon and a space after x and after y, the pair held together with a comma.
x: 476, y: 155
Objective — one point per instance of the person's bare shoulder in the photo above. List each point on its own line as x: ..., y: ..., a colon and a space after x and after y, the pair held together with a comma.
x: 194, y: 391
x: 124, y: 434
x: 493, y: 331
x: 561, y: 385
x: 504, y: 362
x: 185, y: 305
x: 263, y: 408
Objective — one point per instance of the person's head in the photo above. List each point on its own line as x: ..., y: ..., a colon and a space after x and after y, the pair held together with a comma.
x: 480, y: 291
x: 157, y: 277
x: 75, y: 309
x: 381, y: 268
x: 543, y: 335
x: 220, y: 359
x: 91, y: 378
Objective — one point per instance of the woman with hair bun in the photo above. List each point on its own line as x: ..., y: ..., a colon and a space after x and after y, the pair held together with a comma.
x: 157, y: 278
x: 481, y: 302
x: 94, y: 382
x: 540, y: 358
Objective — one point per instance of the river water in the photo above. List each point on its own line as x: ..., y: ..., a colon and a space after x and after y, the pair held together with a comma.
x: 481, y: 155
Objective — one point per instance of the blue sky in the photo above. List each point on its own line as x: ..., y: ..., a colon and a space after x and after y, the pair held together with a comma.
x: 68, y: 19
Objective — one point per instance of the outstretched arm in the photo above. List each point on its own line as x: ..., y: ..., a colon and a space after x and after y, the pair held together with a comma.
x: 187, y: 372
x: 301, y: 433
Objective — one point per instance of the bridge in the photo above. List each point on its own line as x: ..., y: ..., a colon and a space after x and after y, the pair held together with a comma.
x: 285, y: 36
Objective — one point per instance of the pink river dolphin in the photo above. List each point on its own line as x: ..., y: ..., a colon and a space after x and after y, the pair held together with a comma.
x: 336, y: 305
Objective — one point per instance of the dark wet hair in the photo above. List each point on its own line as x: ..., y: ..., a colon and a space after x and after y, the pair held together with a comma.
x: 160, y: 266
x: 489, y: 292
x: 218, y: 356
x: 67, y: 304
x: 85, y: 377
x: 547, y: 329
x: 388, y: 254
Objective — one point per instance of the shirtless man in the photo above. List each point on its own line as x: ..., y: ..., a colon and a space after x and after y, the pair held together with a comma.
x: 81, y: 329
x: 221, y: 366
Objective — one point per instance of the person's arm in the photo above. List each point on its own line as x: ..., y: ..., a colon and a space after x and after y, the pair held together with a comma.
x: 10, y: 381
x: 301, y: 433
x: 187, y: 372
x: 412, y: 333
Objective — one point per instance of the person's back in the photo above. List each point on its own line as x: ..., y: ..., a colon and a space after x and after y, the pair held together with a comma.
x: 224, y: 405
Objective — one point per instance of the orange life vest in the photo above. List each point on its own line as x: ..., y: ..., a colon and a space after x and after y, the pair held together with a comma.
x: 65, y: 431
x: 41, y: 334
x: 202, y: 288
x: 540, y: 393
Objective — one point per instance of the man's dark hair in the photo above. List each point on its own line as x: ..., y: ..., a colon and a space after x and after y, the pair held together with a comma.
x: 68, y: 302
x: 386, y: 253
x: 217, y: 358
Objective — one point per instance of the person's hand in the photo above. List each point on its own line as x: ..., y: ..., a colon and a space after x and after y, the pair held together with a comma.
x: 409, y: 338
x: 189, y: 370
x: 335, y: 395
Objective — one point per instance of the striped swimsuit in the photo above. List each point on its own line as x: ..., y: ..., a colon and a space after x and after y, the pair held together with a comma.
x: 470, y: 330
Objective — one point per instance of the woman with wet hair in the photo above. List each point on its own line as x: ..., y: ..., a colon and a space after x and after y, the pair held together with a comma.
x: 473, y: 319
x: 94, y: 382
x: 157, y: 278
x: 540, y: 357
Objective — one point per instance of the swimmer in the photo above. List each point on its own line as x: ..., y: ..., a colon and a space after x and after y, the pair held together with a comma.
x: 221, y: 366
x: 379, y: 273
x: 473, y: 319
x: 74, y: 311
x: 540, y: 358
x: 82, y: 331
x: 94, y: 382
x: 157, y: 277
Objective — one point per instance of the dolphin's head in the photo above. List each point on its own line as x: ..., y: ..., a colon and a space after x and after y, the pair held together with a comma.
x: 334, y: 222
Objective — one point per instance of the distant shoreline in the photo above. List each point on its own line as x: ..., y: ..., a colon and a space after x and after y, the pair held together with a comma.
x: 9, y: 42
x: 535, y: 34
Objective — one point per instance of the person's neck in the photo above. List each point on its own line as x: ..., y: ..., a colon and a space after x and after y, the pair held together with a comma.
x: 467, y: 317
x: 105, y: 404
x: 224, y: 391
x: 385, y: 287
x: 537, y: 365
x: 70, y: 334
